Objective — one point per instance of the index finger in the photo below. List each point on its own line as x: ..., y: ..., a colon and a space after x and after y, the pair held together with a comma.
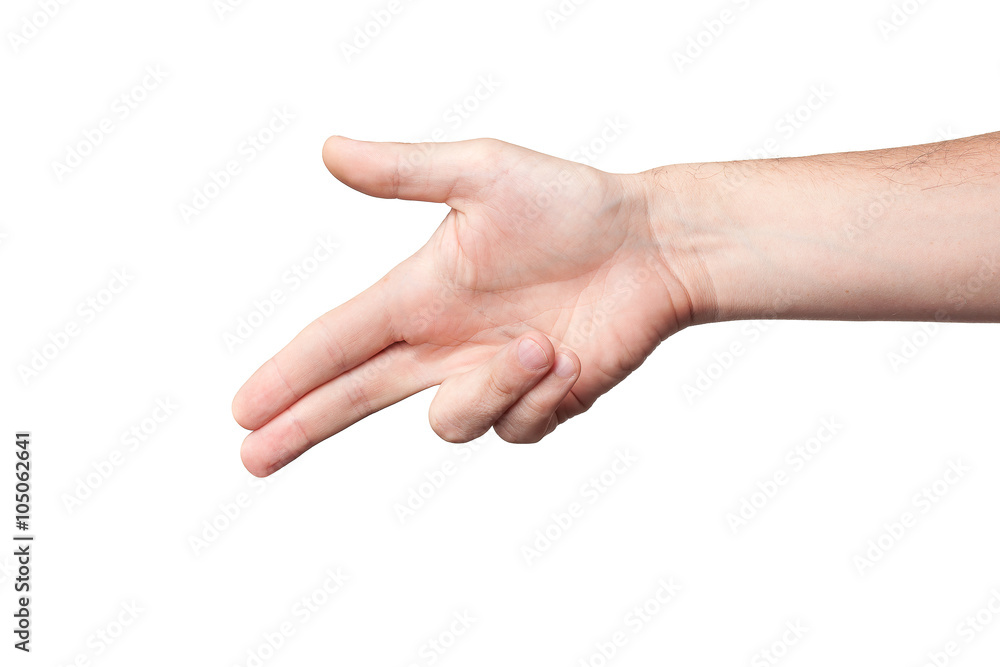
x: 335, y: 343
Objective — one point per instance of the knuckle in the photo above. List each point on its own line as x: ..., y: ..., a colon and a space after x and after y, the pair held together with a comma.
x: 397, y: 174
x: 531, y: 409
x: 446, y: 428
x: 498, y: 390
x: 336, y: 354
x: 516, y: 429
x: 507, y: 433
x: 491, y: 144
x: 490, y: 152
x: 299, y: 425
x: 358, y: 399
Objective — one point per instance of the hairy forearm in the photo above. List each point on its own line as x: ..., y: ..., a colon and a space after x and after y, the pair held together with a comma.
x: 899, y: 234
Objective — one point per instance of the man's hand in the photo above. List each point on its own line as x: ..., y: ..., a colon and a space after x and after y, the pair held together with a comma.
x: 548, y: 282
x: 544, y: 287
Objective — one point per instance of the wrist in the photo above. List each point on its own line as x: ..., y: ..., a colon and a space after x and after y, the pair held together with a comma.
x: 736, y: 234
x: 685, y: 217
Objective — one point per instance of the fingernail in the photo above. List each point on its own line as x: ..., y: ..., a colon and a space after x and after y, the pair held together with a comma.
x: 531, y: 354
x: 564, y: 366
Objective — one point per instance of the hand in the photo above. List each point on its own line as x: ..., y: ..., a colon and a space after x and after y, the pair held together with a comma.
x: 544, y: 287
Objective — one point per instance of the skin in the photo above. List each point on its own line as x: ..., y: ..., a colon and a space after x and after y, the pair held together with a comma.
x: 548, y: 281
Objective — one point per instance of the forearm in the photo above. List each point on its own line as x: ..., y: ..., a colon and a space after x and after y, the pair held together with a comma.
x: 900, y: 234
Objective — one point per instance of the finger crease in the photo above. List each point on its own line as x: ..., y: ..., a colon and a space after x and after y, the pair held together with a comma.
x: 331, y: 344
x: 281, y: 376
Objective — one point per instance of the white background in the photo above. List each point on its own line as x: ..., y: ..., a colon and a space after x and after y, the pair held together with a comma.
x: 162, y: 337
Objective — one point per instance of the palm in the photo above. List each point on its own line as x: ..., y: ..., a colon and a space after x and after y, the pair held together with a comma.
x: 534, y: 249
x: 577, y: 269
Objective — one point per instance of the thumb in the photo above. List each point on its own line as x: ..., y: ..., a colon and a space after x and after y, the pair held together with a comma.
x: 435, y: 172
